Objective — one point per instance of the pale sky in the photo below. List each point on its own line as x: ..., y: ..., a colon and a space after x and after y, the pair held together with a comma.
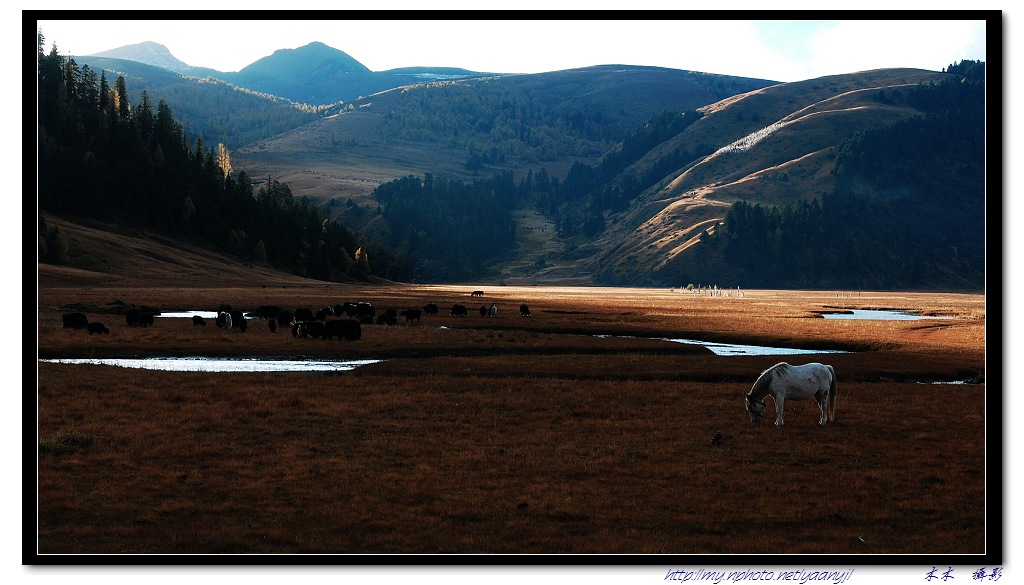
x: 776, y: 50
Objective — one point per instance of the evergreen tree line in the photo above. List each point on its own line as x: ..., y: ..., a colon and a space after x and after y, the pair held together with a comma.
x: 445, y: 229
x: 497, y: 119
x: 104, y: 158
x: 908, y: 212
x: 951, y: 129
x: 211, y: 109
x: 579, y: 202
x: 233, y: 115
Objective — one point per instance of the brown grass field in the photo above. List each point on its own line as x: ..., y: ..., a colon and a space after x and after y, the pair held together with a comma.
x: 511, y: 434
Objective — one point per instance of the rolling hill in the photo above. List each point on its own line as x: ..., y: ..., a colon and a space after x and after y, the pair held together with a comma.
x: 774, y: 146
x: 626, y: 174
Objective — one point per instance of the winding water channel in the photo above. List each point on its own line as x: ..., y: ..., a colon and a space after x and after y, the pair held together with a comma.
x: 210, y: 364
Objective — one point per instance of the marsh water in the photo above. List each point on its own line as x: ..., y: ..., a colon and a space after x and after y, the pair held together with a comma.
x: 880, y: 315
x: 733, y: 349
x: 209, y: 364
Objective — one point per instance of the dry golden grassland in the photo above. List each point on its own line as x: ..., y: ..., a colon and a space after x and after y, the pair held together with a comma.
x: 513, y: 434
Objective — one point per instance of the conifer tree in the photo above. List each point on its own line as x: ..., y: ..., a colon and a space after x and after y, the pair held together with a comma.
x: 121, y: 102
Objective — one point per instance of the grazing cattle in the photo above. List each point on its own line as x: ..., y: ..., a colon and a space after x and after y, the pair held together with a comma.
x: 97, y: 328
x: 411, y: 315
x: 198, y: 321
x: 224, y: 320
x: 430, y: 309
x: 145, y: 319
x: 131, y: 318
x: 483, y: 311
x: 324, y: 313
x: 364, y: 310
x: 313, y: 329
x: 74, y: 321
x: 348, y: 308
x: 494, y: 310
x: 238, y: 320
x: 477, y: 293
x: 389, y: 317
x: 308, y: 329
x: 458, y: 311
x: 272, y: 325
x: 285, y: 318
x: 304, y: 314
x: 350, y: 329
x: 524, y: 311
x: 266, y: 312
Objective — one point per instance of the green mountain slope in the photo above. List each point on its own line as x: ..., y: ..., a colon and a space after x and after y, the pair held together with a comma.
x: 777, y: 147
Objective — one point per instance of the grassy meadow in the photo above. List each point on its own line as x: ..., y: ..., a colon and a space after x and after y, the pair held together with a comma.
x: 573, y: 431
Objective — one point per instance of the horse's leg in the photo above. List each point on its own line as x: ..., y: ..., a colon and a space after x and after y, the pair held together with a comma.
x: 822, y: 400
x: 779, y: 402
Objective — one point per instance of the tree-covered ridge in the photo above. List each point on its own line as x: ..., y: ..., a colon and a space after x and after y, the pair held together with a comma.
x: 207, y: 108
x: 952, y: 126
x: 879, y: 229
x: 102, y: 157
x: 579, y: 202
x: 497, y: 119
x: 444, y: 229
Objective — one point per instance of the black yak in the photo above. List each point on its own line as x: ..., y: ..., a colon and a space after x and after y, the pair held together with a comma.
x: 74, y: 321
x: 350, y: 329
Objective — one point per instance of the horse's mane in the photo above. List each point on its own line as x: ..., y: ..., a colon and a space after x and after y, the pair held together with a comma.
x: 764, y: 381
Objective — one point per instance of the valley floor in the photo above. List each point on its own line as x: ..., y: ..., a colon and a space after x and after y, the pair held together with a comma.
x: 575, y: 430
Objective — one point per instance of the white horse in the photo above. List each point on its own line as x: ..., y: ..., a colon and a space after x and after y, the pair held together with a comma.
x: 783, y: 381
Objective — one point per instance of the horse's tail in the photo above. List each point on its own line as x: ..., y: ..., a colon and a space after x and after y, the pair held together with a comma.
x: 832, y: 395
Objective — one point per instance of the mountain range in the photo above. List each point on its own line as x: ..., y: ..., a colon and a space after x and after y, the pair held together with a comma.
x: 313, y: 74
x: 641, y: 198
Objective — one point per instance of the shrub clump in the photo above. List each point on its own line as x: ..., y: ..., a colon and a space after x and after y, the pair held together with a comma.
x: 66, y: 442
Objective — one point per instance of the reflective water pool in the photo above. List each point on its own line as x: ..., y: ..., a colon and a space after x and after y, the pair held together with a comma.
x: 190, y: 314
x: 881, y: 315
x: 735, y: 349
x: 732, y: 349
x: 207, y: 364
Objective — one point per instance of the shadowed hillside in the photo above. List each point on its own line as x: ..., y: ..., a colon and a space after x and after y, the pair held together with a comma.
x: 613, y: 174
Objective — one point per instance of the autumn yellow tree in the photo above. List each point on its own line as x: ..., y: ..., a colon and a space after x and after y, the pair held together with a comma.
x: 362, y: 261
x: 224, y: 159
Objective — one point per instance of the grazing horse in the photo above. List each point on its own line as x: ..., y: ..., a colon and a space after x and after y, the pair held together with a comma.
x: 783, y: 381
